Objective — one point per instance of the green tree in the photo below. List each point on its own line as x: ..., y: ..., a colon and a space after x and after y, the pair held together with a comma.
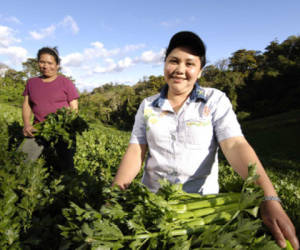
x: 31, y: 67
x: 281, y: 57
x: 209, y: 76
x: 11, y: 86
x: 244, y: 60
x: 229, y: 82
x: 274, y: 86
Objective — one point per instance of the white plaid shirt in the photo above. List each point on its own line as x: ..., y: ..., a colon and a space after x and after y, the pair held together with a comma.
x: 183, y: 146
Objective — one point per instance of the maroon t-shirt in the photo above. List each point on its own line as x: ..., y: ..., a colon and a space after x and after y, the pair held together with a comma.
x: 47, y: 97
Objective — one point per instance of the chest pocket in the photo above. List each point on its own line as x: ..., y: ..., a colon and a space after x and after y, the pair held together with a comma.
x: 198, y: 133
x: 158, y: 132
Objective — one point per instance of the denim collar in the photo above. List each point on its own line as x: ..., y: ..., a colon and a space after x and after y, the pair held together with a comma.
x: 196, y: 95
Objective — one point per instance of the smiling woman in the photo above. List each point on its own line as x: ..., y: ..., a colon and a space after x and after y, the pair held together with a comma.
x: 184, y: 126
x: 47, y: 93
x: 181, y: 71
x: 44, y: 95
x: 48, y: 67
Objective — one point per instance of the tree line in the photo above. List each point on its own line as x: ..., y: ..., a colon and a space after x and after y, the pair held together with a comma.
x: 258, y: 83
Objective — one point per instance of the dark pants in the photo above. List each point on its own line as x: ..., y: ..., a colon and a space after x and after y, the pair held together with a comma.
x: 59, y: 156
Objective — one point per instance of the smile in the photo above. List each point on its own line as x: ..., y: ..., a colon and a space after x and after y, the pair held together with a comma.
x: 178, y: 79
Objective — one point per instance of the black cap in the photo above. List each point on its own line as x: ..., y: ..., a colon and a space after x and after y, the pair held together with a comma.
x: 190, y: 40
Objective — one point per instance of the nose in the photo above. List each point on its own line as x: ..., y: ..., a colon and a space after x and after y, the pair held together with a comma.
x: 180, y: 68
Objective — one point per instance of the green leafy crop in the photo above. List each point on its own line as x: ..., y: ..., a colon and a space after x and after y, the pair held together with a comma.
x: 62, y: 125
x: 171, y: 219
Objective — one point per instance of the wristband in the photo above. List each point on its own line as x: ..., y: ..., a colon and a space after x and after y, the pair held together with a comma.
x: 271, y: 198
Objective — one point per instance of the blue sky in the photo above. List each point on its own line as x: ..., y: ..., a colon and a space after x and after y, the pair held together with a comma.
x: 123, y: 41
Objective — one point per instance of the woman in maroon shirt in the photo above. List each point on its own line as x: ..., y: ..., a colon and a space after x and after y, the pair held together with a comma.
x: 44, y: 95
x: 47, y: 93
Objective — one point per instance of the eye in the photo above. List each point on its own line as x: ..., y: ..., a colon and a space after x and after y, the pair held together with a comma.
x: 190, y: 64
x: 173, y: 60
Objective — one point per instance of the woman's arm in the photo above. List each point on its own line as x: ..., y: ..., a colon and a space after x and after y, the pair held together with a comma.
x: 130, y: 165
x: 240, y: 154
x: 26, y: 115
x: 74, y: 105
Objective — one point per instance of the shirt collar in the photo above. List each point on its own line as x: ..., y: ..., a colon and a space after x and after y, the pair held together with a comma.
x: 196, y: 95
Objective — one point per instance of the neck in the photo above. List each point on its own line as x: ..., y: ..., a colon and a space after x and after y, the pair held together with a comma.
x: 49, y: 79
x: 176, y: 101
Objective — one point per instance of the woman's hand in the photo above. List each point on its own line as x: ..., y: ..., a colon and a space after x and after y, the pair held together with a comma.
x: 280, y: 225
x: 130, y: 165
x: 28, y: 130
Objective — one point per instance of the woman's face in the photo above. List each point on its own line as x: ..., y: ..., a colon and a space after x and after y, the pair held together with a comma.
x: 48, y: 66
x: 181, y: 71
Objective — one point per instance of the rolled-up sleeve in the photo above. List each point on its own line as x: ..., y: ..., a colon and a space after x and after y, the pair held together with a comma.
x: 71, y: 90
x: 138, y: 134
x: 26, y: 90
x: 225, y: 121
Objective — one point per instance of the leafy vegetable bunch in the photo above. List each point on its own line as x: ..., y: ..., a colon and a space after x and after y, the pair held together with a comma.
x: 170, y: 219
x: 63, y: 125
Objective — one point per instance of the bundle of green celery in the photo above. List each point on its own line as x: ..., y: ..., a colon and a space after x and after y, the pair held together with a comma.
x: 170, y: 219
x: 62, y: 125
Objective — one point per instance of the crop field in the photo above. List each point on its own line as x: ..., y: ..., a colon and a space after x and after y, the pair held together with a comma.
x: 42, y: 207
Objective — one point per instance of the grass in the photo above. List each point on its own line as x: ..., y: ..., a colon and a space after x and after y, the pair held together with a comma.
x: 276, y: 141
x: 10, y: 112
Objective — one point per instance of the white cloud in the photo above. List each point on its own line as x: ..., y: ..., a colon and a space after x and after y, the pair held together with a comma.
x: 98, y: 50
x: 13, y: 19
x: 98, y: 45
x: 111, y: 66
x: 73, y: 60
x: 125, y: 63
x: 67, y: 22
x: 10, y: 19
x: 133, y: 47
x: 7, y: 36
x: 171, y: 23
x: 43, y: 33
x: 15, y: 54
x: 97, y: 59
x: 88, y: 57
x: 70, y: 22
x: 152, y: 57
x: 165, y: 24
x: 84, y: 85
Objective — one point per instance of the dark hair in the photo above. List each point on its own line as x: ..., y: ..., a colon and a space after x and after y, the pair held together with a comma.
x: 190, y: 40
x: 51, y: 51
